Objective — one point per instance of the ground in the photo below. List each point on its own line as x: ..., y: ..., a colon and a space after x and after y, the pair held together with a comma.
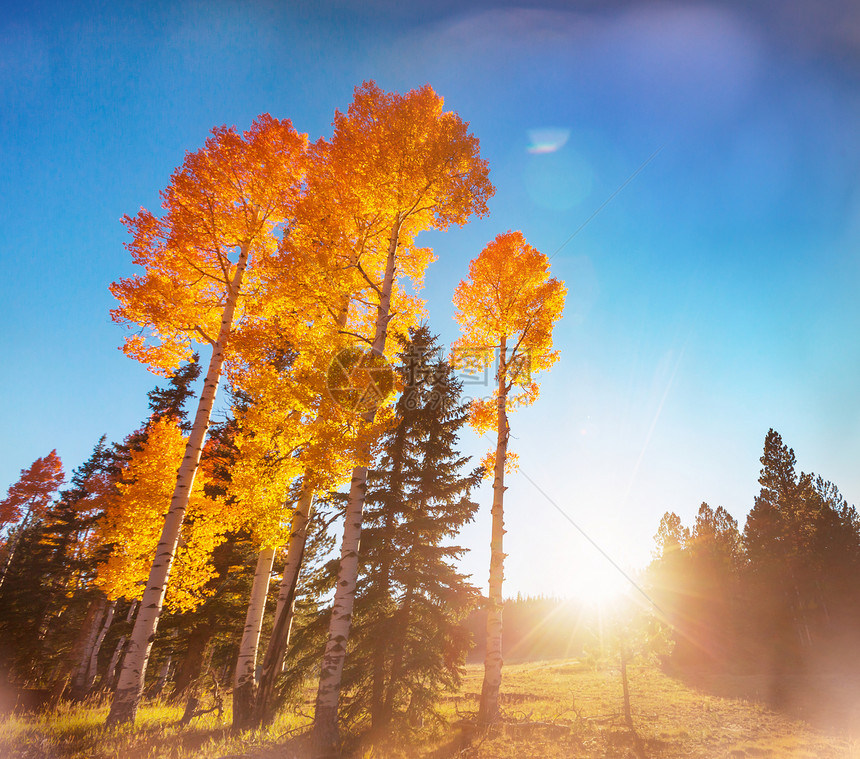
x: 551, y: 710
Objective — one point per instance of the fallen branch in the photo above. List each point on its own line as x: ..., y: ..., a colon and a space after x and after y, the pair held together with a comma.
x: 191, y: 710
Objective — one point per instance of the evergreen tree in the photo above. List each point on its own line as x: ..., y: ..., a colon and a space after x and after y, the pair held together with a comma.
x: 71, y: 556
x: 164, y: 402
x: 712, y: 607
x: 170, y: 401
x: 46, y: 598
x: 51, y: 614
x: 409, y: 637
x: 782, y: 601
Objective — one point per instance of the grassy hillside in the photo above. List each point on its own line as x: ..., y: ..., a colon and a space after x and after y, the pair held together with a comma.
x: 552, y: 709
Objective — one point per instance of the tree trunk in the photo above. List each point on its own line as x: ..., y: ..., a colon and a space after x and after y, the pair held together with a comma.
x: 14, y: 546
x: 111, y: 672
x: 401, y: 631
x: 488, y: 711
x: 325, y: 735
x: 625, y: 688
x: 84, y: 648
x: 192, y: 662
x: 93, y: 667
x: 246, y: 663
x: 378, y: 721
x: 280, y: 637
x: 162, y: 678
x: 130, y: 686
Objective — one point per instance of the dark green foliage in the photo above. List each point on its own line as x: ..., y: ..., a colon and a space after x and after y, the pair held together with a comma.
x: 408, y: 639
x: 47, y: 591
x: 44, y: 602
x: 781, y: 600
x: 170, y: 401
x: 23, y: 607
x: 207, y: 637
x: 164, y: 402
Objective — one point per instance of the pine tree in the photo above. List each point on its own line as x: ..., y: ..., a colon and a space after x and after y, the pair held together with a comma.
x: 75, y: 608
x: 713, y: 583
x: 409, y: 637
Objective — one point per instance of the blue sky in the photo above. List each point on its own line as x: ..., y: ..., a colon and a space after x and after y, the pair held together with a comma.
x: 714, y: 296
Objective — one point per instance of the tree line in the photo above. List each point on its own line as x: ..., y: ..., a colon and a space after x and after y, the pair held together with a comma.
x: 778, y: 598
x: 295, y: 266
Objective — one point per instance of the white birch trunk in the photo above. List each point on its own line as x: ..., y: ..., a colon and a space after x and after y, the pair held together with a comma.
x: 15, y: 541
x: 325, y: 736
x: 111, y: 675
x: 488, y: 711
x: 93, y: 665
x: 129, y: 688
x: 162, y: 678
x: 246, y: 662
x: 90, y: 631
x: 280, y: 638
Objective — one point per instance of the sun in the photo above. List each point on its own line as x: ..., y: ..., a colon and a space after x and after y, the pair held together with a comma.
x: 601, y: 585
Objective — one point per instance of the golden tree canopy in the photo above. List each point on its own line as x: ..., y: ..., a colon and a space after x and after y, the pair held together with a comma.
x: 134, y: 518
x: 509, y: 301
x: 234, y: 194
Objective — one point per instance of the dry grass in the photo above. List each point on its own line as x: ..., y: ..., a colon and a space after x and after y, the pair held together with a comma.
x: 551, y: 709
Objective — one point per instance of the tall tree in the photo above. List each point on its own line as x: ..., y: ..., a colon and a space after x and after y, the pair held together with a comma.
x: 72, y: 556
x: 223, y: 209
x: 706, y: 587
x: 287, y: 435
x: 801, y: 540
x: 506, y: 311
x: 410, y: 639
x: 777, y: 601
x: 397, y: 165
x: 43, y: 600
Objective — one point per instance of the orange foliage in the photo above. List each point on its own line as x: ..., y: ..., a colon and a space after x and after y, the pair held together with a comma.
x: 34, y: 490
x: 233, y: 194
x: 511, y: 298
x: 488, y: 463
x: 133, y: 521
x: 395, y: 165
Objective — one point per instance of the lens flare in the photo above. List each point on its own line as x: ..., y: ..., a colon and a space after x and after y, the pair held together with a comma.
x: 547, y: 140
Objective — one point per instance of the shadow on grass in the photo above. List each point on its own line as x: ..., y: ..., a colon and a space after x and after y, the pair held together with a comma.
x: 583, y: 741
x: 827, y: 701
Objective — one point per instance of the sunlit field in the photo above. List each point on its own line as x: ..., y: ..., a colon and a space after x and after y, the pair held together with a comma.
x: 551, y: 710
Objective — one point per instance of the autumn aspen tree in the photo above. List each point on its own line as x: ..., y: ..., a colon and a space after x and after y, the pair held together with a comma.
x: 288, y: 432
x: 506, y: 310
x: 224, y: 210
x: 398, y: 165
